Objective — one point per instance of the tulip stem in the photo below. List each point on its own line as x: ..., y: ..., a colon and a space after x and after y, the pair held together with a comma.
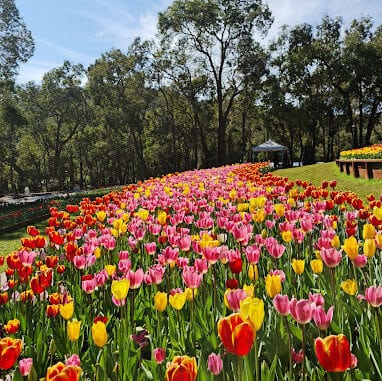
x: 303, y: 350
x: 240, y: 361
x: 289, y: 347
x: 257, y: 371
x: 378, y: 332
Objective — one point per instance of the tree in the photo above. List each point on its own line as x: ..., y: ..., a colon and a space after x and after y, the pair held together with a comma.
x: 117, y: 85
x: 219, y: 35
x: 16, y: 42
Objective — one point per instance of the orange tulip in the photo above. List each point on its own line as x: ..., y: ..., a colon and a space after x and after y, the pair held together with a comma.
x: 236, y: 334
x: 12, y: 326
x: 182, y: 368
x: 62, y: 372
x: 333, y: 353
x: 10, y: 349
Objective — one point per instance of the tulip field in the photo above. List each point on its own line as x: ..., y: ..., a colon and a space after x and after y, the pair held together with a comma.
x: 227, y: 273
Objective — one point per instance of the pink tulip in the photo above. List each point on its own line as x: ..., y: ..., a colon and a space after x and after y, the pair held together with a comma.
x: 185, y: 243
x: 27, y: 257
x: 25, y: 366
x: 101, y: 277
x: 156, y: 273
x: 316, y: 299
x: 215, y: 364
x: 89, y: 285
x: 360, y: 260
x: 281, y: 304
x: 211, y: 254
x: 373, y: 295
x: 331, y: 257
x: 159, y: 355
x: 170, y: 254
x: 301, y: 310
x: 150, y: 248
x: 73, y: 360
x: 234, y: 297
x: 322, y: 319
x: 253, y: 254
x: 135, y: 278
x: 201, y: 265
x: 191, y: 277
x: 276, y: 250
x: 123, y: 255
x: 297, y: 357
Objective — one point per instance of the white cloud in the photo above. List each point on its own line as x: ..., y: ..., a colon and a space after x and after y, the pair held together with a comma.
x: 35, y: 70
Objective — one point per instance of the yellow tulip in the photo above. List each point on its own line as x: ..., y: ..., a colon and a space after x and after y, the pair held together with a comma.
x: 110, y: 269
x: 258, y: 215
x: 279, y: 209
x: 287, y: 236
x: 249, y: 290
x: 120, y: 288
x: 253, y: 273
x: 298, y: 266
x: 160, y: 301
x: 336, y: 242
x: 369, y: 247
x: 162, y: 218
x: 97, y: 252
x: 143, y: 214
x: 378, y: 212
x: 273, y: 285
x: 368, y: 231
x: 317, y: 266
x: 349, y: 286
x: 253, y: 309
x: 243, y: 207
x: 99, y: 334
x: 73, y: 330
x: 378, y: 239
x: 67, y: 310
x: 177, y: 300
x: 350, y: 247
x: 101, y: 215
x: 190, y: 295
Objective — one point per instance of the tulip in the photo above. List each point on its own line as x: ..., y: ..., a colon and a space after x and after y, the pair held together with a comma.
x: 350, y: 247
x: 177, y: 300
x: 373, y: 295
x: 99, y: 334
x: 182, y: 368
x: 190, y: 293
x: 191, y: 277
x: 297, y: 357
x: 273, y: 285
x: 236, y: 265
x: 368, y: 231
x: 301, y: 310
x: 369, y: 247
x: 322, y: 319
x: 25, y: 366
x: 333, y: 353
x: 253, y: 273
x: 360, y: 260
x: 159, y: 355
x: 10, y: 349
x: 236, y: 334
x: 73, y: 360
x: 298, y: 266
x: 349, y: 286
x: 12, y: 326
x: 120, y: 288
x: 73, y: 330
x: 232, y: 298
x: 331, y: 257
x: 160, y: 301
x: 317, y: 266
x: 67, y: 310
x: 60, y: 371
x: 215, y: 364
x: 281, y: 304
x: 253, y: 310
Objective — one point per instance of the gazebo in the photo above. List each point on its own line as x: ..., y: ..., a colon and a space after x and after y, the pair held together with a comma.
x: 280, y: 152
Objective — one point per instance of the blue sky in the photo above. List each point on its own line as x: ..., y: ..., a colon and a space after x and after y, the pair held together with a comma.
x: 81, y: 30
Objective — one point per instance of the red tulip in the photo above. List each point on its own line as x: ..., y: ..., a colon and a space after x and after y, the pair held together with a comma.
x: 333, y: 353
x: 236, y: 334
x: 10, y: 349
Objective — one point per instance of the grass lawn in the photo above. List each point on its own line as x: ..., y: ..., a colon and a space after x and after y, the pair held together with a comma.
x: 329, y: 171
x: 11, y: 241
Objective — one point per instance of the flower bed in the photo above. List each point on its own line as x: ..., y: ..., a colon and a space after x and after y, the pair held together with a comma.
x: 363, y: 162
x: 222, y: 272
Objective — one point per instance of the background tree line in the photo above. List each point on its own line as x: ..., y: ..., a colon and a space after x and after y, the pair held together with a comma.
x: 200, y: 95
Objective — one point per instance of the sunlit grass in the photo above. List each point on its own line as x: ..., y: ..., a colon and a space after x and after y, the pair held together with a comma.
x: 329, y: 171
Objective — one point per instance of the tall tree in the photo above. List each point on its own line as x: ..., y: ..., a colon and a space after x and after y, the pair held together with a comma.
x: 219, y: 35
x: 16, y: 42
